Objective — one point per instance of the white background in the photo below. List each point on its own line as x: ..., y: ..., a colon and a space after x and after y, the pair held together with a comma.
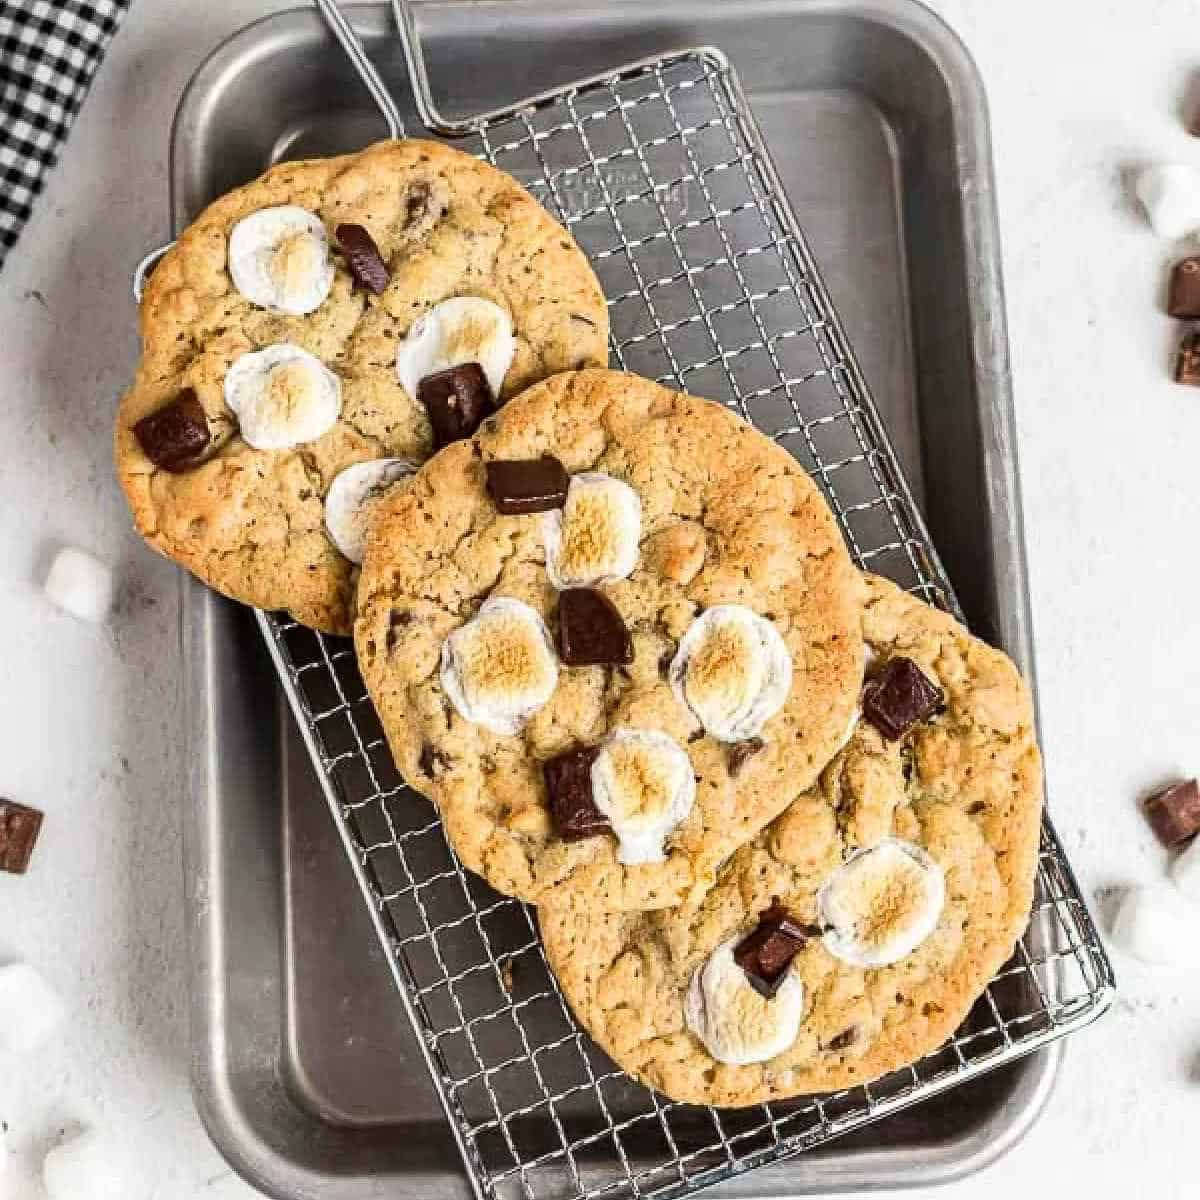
x: 1081, y: 91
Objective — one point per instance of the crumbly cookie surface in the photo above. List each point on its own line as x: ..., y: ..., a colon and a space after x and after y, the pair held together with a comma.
x: 965, y: 786
x: 727, y: 517
x: 250, y: 522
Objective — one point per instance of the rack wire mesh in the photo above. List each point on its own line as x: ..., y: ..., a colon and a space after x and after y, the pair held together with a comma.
x: 661, y: 175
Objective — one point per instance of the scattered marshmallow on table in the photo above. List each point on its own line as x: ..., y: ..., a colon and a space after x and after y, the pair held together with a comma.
x: 1151, y: 926
x: 29, y: 1008
x: 1185, y: 871
x: 83, y: 1166
x: 80, y: 584
x: 1170, y: 195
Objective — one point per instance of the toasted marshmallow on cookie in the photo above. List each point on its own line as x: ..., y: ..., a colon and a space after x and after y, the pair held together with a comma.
x: 352, y: 496
x: 733, y: 670
x: 737, y: 1024
x: 594, y: 537
x: 282, y: 396
x: 643, y: 782
x: 881, y: 903
x: 499, y: 668
x: 279, y: 259
x: 464, y: 329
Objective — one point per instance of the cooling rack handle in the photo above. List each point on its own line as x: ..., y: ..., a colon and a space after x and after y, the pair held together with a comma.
x: 372, y: 80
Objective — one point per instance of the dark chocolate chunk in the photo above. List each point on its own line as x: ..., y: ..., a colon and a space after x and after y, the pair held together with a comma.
x: 767, y: 952
x: 740, y: 753
x: 569, y: 784
x: 1183, y: 298
x: 527, y: 485
x: 363, y: 258
x: 900, y: 696
x: 457, y: 400
x: 19, y: 829
x: 590, y: 630
x: 1187, y: 364
x: 176, y: 436
x: 1174, y: 813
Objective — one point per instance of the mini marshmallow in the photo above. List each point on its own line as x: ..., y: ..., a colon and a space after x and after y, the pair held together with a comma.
x: 30, y: 1009
x: 1170, y: 195
x: 80, y: 584
x: 1185, y: 872
x: 1150, y: 927
x: 83, y: 1166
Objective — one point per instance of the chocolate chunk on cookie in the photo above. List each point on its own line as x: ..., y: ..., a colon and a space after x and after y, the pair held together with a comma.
x: 363, y: 258
x: 457, y: 401
x: 900, y: 696
x: 591, y: 631
x: 569, y: 785
x: 176, y: 436
x: 767, y: 952
x: 527, y: 485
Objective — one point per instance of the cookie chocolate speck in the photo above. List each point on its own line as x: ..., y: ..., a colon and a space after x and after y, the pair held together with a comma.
x: 591, y: 631
x: 900, y: 696
x: 175, y: 436
x: 457, y: 400
x: 740, y: 753
x: 569, y: 784
x: 529, y: 485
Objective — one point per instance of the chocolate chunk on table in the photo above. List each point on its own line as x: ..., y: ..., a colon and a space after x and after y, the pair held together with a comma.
x: 767, y: 952
x: 1183, y: 296
x: 457, y: 401
x: 899, y: 696
x: 19, y: 829
x: 1187, y: 363
x: 527, y: 485
x: 569, y: 784
x: 591, y: 631
x: 1174, y: 813
x: 176, y: 436
x: 363, y: 258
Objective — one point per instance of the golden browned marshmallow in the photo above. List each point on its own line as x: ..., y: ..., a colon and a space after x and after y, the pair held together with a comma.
x: 594, y: 537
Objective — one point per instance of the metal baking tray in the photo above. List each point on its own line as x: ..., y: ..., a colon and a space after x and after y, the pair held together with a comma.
x: 306, y: 1068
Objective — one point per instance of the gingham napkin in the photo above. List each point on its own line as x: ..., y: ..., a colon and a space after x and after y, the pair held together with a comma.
x: 49, y: 51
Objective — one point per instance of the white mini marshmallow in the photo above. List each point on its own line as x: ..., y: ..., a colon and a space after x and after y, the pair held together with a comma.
x: 643, y: 782
x: 351, y: 497
x: 80, y: 584
x: 461, y: 330
x: 881, y: 903
x: 282, y: 396
x: 279, y: 259
x: 30, y: 1009
x: 736, y: 1024
x: 1186, y: 871
x: 85, y: 1167
x: 1170, y: 195
x: 594, y: 537
x: 1152, y: 927
x: 732, y: 670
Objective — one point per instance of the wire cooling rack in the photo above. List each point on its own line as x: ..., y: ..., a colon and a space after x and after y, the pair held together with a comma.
x: 662, y: 177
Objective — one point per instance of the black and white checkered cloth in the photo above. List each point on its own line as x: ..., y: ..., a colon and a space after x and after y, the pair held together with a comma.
x: 49, y: 51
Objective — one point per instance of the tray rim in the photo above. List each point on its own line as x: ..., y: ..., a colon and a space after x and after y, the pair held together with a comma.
x: 235, y: 1136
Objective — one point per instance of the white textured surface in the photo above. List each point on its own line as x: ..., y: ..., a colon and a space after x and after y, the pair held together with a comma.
x: 1081, y: 94
x: 30, y: 1009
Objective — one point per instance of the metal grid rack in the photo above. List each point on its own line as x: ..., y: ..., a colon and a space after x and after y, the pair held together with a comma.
x: 663, y: 179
